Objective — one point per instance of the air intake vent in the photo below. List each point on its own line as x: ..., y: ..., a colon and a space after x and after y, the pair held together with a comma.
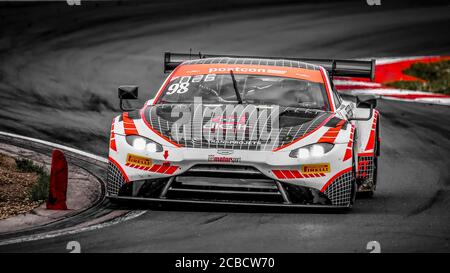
x: 225, y: 182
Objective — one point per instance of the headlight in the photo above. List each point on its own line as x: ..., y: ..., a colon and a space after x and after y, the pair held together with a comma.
x: 143, y: 144
x: 313, y: 150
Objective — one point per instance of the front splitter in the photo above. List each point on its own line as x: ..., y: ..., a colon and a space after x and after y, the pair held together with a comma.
x: 224, y: 203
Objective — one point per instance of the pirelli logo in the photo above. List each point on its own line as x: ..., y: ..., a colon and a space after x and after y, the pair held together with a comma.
x: 315, y: 168
x: 135, y: 160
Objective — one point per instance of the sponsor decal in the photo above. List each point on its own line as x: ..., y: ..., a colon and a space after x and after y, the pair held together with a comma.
x: 225, y: 152
x: 138, y: 160
x: 295, y: 174
x: 214, y: 69
x: 229, y: 120
x: 235, y: 142
x: 223, y: 159
x: 237, y: 69
x: 146, y: 164
x: 231, y: 123
x: 315, y: 168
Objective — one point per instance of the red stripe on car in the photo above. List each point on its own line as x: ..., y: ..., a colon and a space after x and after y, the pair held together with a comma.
x: 128, y: 125
x: 124, y: 174
x: 278, y: 174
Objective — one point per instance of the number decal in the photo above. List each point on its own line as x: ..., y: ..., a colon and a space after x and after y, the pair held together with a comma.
x: 182, y: 83
x: 210, y: 77
x: 173, y: 88
x: 197, y: 78
x: 183, y: 88
x: 178, y: 88
x: 185, y: 79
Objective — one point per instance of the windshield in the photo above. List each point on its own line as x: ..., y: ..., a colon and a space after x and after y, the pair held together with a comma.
x: 253, y: 89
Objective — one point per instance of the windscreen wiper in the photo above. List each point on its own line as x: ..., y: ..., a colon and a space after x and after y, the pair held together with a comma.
x: 238, y: 95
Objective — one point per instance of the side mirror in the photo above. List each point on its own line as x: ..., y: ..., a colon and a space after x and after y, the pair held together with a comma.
x: 365, y: 102
x: 127, y: 92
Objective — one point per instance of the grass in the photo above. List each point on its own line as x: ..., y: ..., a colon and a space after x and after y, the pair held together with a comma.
x: 38, y: 191
x: 27, y: 166
x: 436, y: 76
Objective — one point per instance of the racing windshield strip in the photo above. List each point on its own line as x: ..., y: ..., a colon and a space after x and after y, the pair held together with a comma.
x: 279, y: 71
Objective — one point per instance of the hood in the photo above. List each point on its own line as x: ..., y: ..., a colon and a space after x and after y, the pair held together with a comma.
x: 249, y: 127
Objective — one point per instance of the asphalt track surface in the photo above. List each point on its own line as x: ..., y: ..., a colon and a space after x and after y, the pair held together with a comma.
x: 60, y: 84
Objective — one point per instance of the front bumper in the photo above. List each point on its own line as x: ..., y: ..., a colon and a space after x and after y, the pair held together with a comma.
x: 275, y: 165
x: 244, y: 186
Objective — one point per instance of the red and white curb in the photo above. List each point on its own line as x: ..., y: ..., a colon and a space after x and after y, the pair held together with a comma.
x: 107, y: 220
x: 388, y: 70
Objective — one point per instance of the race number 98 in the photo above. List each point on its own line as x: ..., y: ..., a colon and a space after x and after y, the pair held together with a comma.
x: 179, y: 88
x: 182, y: 86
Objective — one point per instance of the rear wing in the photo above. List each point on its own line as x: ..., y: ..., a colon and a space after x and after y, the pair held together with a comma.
x: 335, y: 67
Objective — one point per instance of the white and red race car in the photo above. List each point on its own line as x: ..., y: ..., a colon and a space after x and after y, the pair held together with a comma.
x: 247, y: 131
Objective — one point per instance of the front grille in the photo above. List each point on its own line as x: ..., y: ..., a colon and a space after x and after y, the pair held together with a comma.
x: 114, y: 179
x: 225, y: 183
x: 340, y: 190
x: 230, y: 171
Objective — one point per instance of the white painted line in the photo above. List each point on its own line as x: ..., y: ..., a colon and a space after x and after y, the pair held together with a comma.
x: 399, y: 59
x: 385, y: 94
x: 129, y: 216
x: 388, y: 60
x: 444, y: 102
x: 58, y: 146
x: 388, y: 91
x: 355, y: 83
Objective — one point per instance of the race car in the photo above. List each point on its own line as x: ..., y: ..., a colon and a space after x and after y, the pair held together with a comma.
x: 247, y: 130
